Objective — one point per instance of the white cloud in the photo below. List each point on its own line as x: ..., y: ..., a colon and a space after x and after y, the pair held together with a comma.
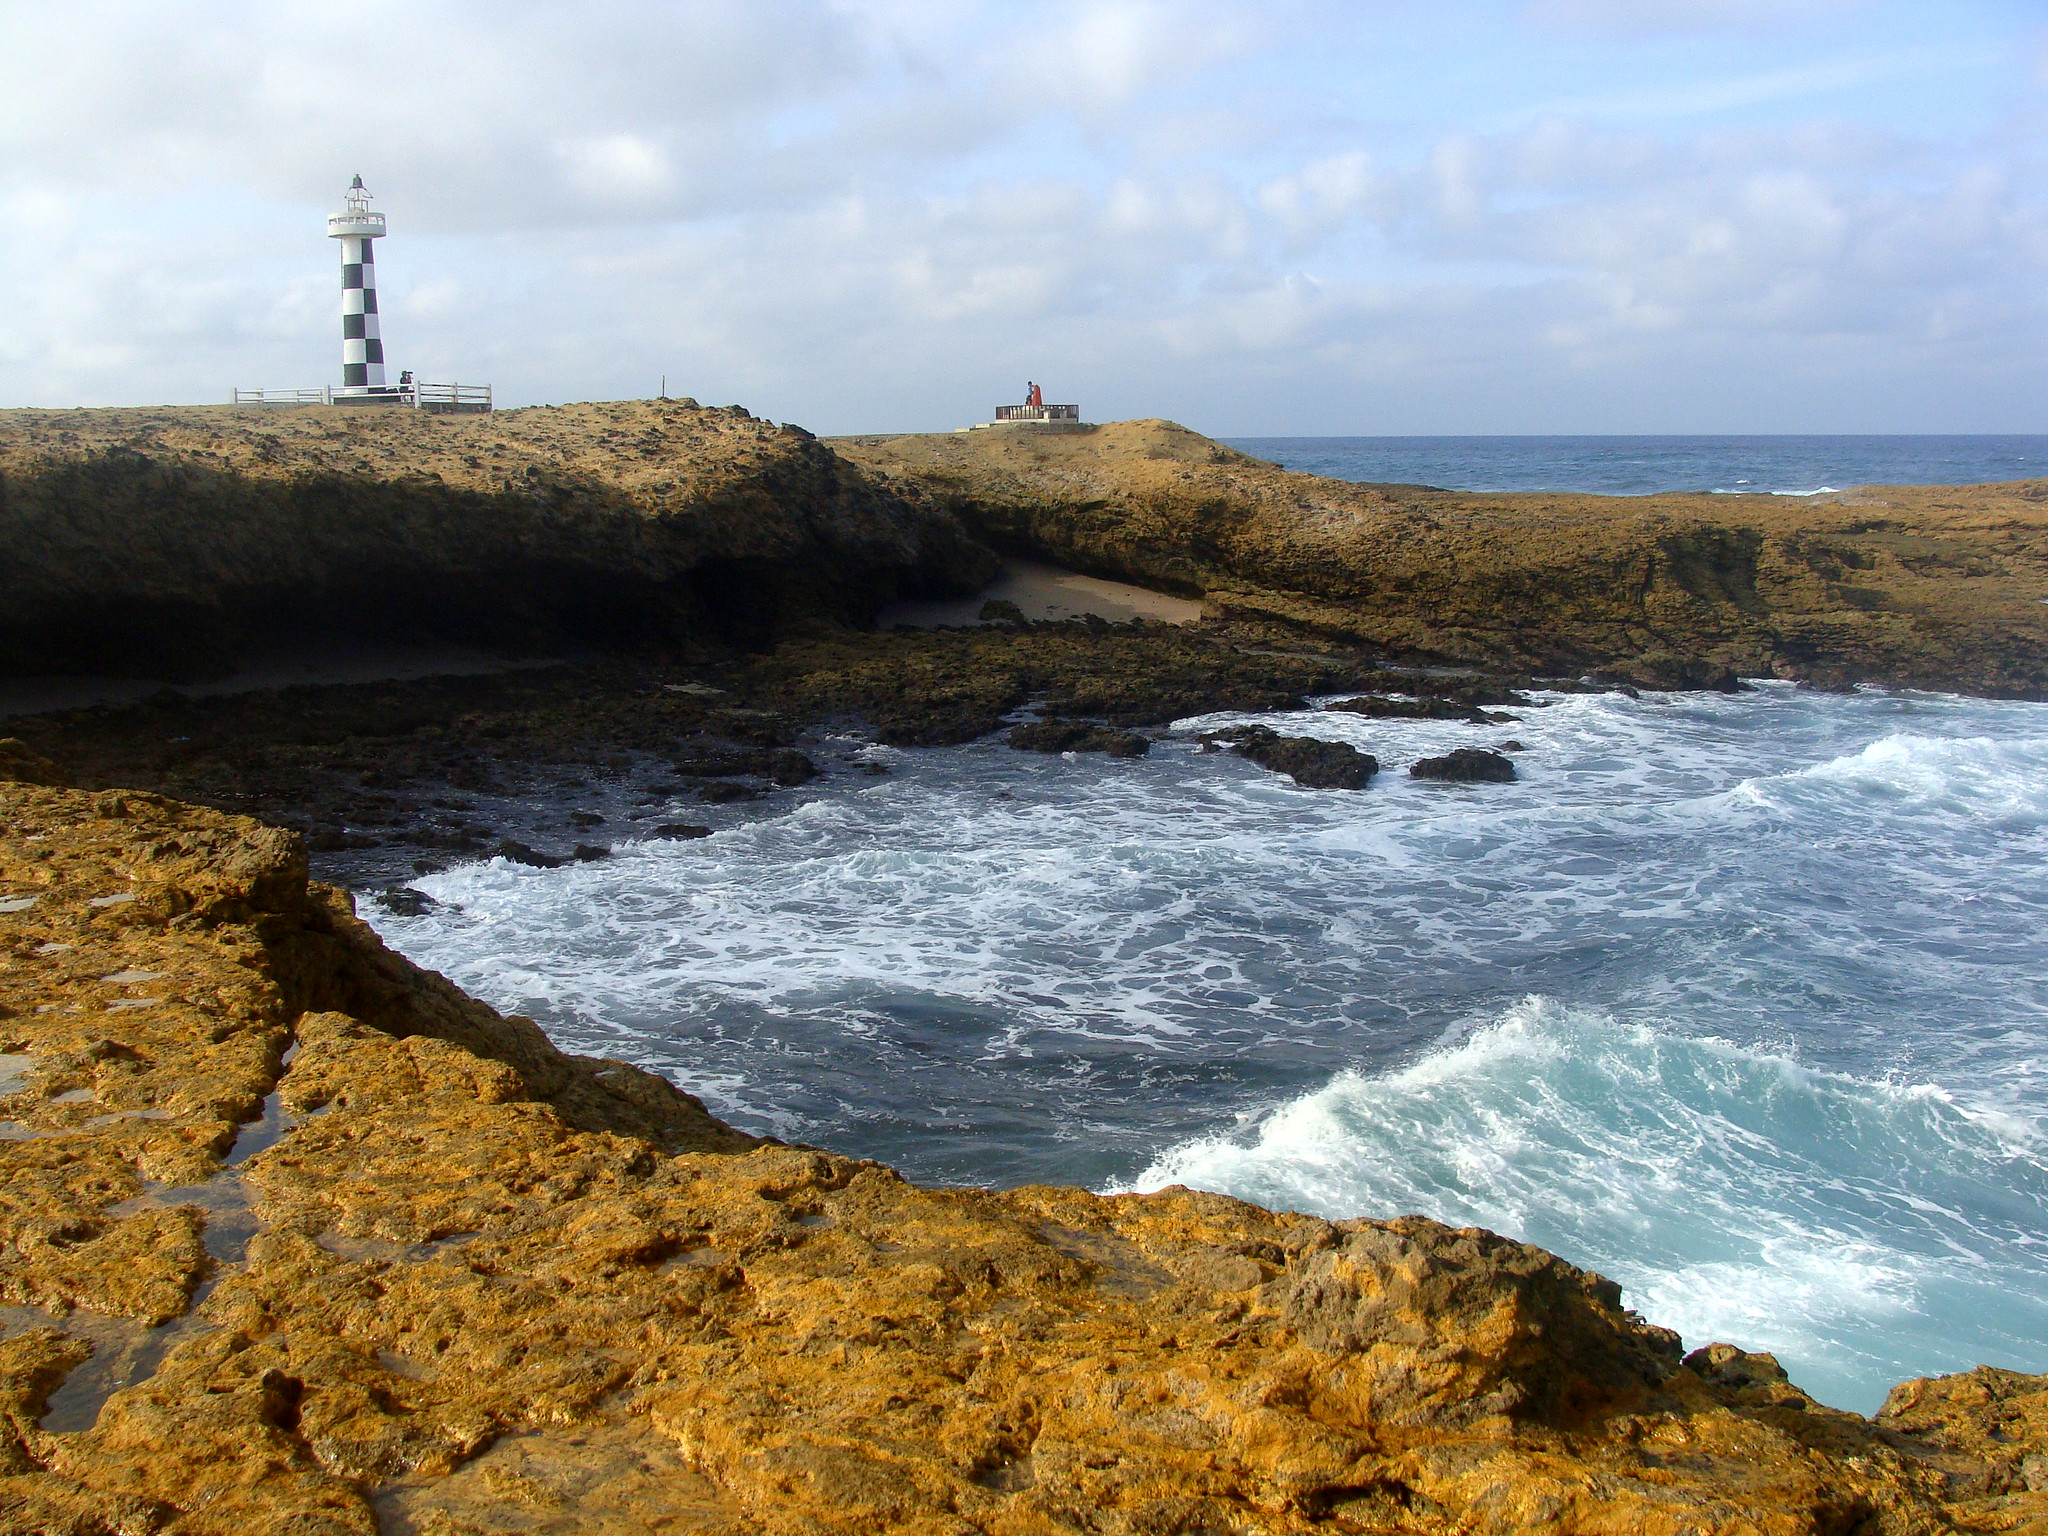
x: 865, y: 213
x: 1652, y: 16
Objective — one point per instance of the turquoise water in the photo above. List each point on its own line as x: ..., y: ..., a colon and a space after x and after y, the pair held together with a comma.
x: 1739, y: 999
x: 1635, y: 466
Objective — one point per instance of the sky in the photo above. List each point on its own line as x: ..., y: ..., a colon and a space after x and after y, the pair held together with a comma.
x: 1295, y: 217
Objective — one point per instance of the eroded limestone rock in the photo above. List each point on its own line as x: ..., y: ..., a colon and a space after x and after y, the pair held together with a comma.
x: 486, y: 1286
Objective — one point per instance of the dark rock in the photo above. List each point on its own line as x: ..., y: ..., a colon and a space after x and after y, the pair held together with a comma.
x: 784, y: 765
x: 1000, y: 611
x: 724, y: 792
x: 586, y: 818
x: 455, y: 842
x: 427, y: 867
x: 1485, y: 691
x: 25, y: 766
x: 1509, y: 746
x: 520, y: 853
x: 1467, y: 765
x: 681, y: 830
x: 404, y: 901
x: 1455, y: 703
x: 334, y: 839
x: 935, y: 729
x: 1077, y: 736
x: 1374, y: 708
x: 1310, y: 763
x: 875, y: 770
x: 1672, y: 674
x: 590, y: 853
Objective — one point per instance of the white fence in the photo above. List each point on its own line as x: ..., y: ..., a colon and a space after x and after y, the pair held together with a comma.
x: 446, y: 399
x: 1038, y: 413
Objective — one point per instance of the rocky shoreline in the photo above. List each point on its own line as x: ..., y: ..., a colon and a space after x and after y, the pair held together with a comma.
x: 385, y: 1260
x: 296, y: 1236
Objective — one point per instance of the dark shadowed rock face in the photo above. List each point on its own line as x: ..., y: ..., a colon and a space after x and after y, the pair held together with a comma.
x: 156, y: 543
x: 1310, y: 763
x: 1467, y: 765
x: 1077, y: 736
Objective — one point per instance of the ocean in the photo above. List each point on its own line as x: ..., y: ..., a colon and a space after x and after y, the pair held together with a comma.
x: 1739, y: 999
x: 1637, y: 466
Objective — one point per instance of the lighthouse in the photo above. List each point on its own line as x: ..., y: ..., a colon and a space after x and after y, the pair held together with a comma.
x: 358, y: 227
x: 362, y: 347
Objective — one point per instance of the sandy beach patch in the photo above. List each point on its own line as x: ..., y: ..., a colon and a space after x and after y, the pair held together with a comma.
x: 1048, y: 592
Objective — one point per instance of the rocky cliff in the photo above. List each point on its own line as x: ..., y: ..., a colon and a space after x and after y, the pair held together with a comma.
x: 159, y: 542
x: 1934, y: 586
x: 296, y: 1237
x: 156, y: 542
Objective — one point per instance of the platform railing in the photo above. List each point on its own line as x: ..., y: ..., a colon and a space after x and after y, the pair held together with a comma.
x: 282, y: 397
x: 465, y: 399
x: 1038, y: 413
x: 458, y: 397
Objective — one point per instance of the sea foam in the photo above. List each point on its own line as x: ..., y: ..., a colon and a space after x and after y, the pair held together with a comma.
x: 1783, y: 1079
x: 1860, y: 1229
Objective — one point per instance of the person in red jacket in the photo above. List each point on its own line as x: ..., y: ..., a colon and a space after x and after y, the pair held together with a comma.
x: 1036, y: 397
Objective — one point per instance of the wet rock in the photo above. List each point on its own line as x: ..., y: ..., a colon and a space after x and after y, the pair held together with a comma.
x: 1509, y: 746
x: 937, y: 728
x: 332, y: 839
x: 1077, y: 736
x: 1310, y: 763
x: 725, y: 792
x: 427, y: 867
x: 586, y: 818
x: 523, y: 853
x: 404, y: 901
x: 1376, y: 708
x: 430, y: 837
x: 1000, y: 611
x: 1672, y: 674
x: 591, y: 853
x: 680, y: 830
x: 1467, y: 765
x: 783, y: 765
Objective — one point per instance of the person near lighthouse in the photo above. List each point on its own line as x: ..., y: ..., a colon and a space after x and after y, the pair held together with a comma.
x: 1036, y: 398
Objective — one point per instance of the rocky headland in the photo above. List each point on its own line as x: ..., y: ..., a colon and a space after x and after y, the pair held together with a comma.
x: 295, y: 1236
x: 157, y: 543
x: 1926, y: 586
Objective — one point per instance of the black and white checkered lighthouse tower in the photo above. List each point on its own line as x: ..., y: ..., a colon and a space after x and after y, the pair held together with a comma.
x: 362, y: 347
